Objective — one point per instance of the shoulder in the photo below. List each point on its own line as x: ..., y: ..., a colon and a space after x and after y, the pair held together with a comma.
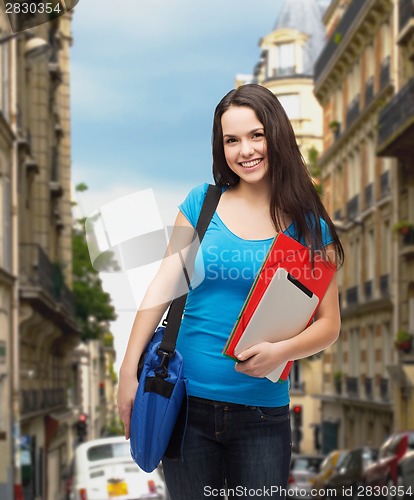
x: 192, y: 204
x: 311, y: 222
x: 326, y: 233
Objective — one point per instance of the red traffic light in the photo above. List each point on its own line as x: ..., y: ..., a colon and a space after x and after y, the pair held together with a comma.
x: 297, y: 409
x: 82, y: 417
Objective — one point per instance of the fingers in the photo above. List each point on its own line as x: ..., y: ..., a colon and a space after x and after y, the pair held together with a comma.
x: 248, y: 353
x: 125, y: 412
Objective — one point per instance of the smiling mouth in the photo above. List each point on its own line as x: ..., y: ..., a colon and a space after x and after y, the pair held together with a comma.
x: 251, y: 163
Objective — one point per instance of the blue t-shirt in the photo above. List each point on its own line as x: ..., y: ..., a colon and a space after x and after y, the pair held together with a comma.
x: 224, y: 273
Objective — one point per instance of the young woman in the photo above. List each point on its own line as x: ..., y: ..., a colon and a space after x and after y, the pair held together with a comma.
x: 238, y: 432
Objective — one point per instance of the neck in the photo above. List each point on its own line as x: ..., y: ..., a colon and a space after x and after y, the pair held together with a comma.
x: 257, y: 193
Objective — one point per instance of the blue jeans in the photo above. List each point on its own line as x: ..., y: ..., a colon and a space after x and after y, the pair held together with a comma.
x: 242, y: 451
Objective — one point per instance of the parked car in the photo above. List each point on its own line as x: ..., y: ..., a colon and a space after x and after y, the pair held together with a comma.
x: 303, y: 468
x: 332, y: 461
x: 103, y: 469
x: 347, y: 479
x: 386, y: 470
x: 406, y: 479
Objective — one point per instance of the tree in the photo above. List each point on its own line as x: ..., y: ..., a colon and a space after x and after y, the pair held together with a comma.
x: 93, y: 304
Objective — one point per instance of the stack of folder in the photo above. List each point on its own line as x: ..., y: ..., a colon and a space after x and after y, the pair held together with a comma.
x: 282, y: 301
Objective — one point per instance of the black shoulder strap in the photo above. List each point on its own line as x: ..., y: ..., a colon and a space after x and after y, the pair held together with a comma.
x: 175, y: 313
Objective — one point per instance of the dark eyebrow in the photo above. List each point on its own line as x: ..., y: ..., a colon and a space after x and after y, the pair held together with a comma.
x: 251, y: 132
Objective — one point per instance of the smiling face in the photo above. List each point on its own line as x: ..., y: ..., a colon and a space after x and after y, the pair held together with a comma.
x: 244, y: 144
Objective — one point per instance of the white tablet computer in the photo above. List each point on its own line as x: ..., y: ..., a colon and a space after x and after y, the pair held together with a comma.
x: 284, y: 311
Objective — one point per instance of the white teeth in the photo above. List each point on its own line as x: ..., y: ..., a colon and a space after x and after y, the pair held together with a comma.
x: 250, y: 164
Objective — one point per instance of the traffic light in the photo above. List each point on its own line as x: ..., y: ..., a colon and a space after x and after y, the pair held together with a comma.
x: 297, y: 428
x: 297, y: 416
x: 82, y: 427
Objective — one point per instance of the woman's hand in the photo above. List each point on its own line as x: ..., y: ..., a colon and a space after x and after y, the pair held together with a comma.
x: 260, y: 359
x: 127, y: 389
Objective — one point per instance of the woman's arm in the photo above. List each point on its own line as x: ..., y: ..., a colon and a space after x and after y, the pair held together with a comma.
x: 157, y: 298
x: 262, y: 358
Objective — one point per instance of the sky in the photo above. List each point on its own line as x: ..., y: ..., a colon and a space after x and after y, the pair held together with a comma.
x: 145, y: 79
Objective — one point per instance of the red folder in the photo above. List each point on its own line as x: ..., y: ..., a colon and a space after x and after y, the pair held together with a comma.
x: 291, y: 255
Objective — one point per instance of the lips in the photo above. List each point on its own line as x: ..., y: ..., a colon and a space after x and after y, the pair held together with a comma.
x: 251, y: 163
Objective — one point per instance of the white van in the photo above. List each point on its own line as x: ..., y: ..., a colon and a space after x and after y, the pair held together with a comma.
x: 104, y: 470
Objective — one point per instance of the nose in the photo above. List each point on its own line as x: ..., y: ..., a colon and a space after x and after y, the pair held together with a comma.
x: 246, y: 149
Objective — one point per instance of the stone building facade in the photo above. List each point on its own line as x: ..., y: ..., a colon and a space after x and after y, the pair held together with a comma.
x: 356, y: 75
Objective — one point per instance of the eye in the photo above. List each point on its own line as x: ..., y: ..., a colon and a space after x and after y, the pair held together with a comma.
x: 258, y: 135
x: 230, y: 140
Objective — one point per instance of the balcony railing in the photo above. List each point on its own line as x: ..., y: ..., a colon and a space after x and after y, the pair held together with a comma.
x: 36, y: 268
x: 352, y: 207
x: 385, y: 72
x: 369, y: 195
x: 368, y: 388
x: 353, y: 111
x: 384, y: 389
x: 408, y: 237
x: 384, y: 285
x: 67, y: 299
x: 285, y: 71
x: 351, y: 13
x: 42, y: 399
x: 369, y: 90
x: 338, y: 214
x: 352, y: 386
x: 406, y: 12
x: 398, y: 112
x: 352, y: 296
x: 37, y: 271
x: 385, y: 184
x: 368, y: 290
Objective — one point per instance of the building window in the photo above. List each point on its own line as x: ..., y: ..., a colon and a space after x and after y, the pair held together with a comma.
x: 291, y: 104
x: 295, y: 376
x: 285, y: 59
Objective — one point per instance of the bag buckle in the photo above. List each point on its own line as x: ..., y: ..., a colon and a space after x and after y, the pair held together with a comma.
x: 162, y: 369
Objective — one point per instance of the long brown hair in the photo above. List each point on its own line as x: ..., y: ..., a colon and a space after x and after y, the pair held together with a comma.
x: 292, y: 189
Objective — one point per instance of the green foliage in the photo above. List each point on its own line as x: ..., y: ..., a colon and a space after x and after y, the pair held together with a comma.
x: 402, y: 336
x: 337, y: 38
x: 81, y: 187
x: 403, y: 226
x: 113, y: 374
x: 115, y: 428
x: 108, y: 339
x: 93, y: 304
x: 314, y: 169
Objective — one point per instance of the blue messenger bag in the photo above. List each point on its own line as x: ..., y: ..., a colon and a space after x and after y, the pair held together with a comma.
x: 159, y: 414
